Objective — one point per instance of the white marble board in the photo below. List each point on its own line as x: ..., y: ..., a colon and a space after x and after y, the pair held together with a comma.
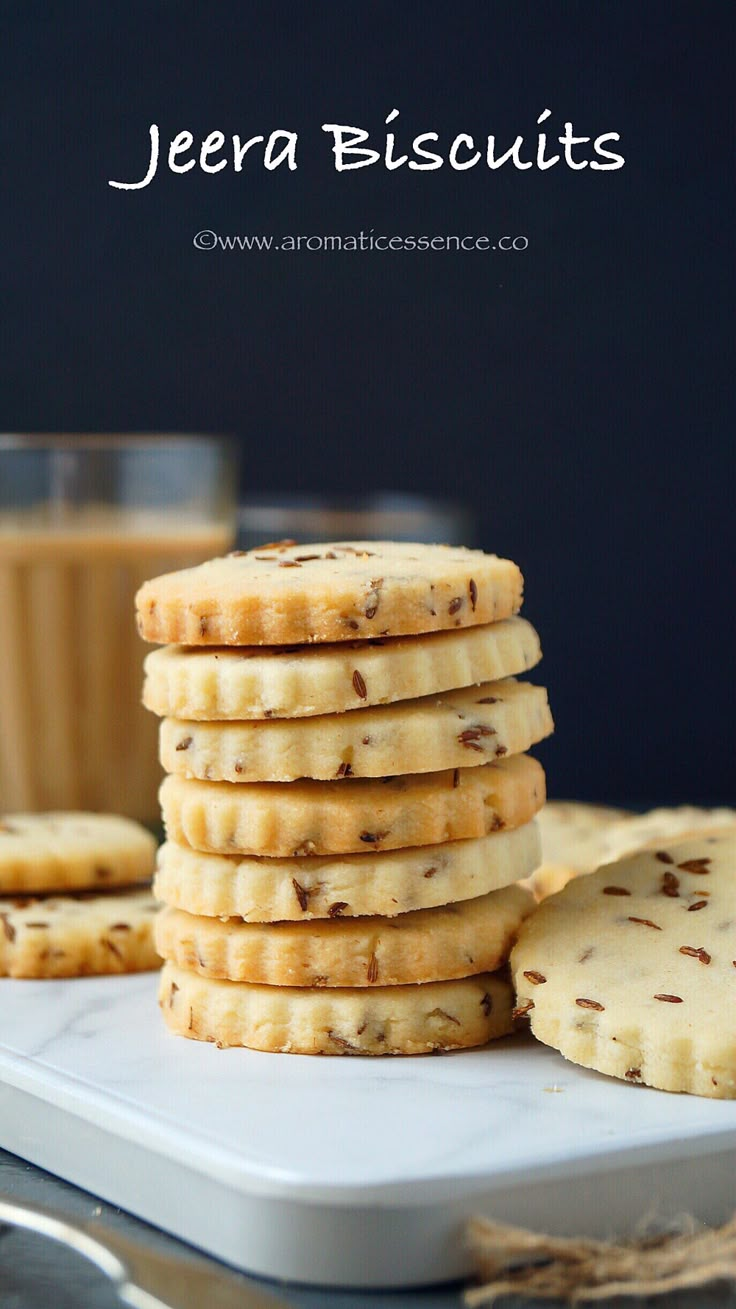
x: 344, y: 1171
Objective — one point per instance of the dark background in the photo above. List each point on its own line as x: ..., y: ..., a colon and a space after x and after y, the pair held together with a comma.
x: 578, y: 395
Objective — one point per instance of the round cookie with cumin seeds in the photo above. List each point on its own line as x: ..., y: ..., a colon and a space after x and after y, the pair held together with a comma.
x: 285, y: 594
x: 221, y: 683
x: 427, y: 945
x: 262, y: 890
x: 77, y: 934
x: 631, y: 970
x: 72, y: 851
x: 367, y: 1021
x: 455, y: 730
x: 353, y: 814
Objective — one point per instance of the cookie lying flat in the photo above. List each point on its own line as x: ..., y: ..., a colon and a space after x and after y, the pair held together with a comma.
x: 641, y: 830
x: 389, y: 882
x: 576, y: 837
x: 384, y: 1020
x: 294, y: 682
x: 285, y: 593
x: 455, y: 730
x: 353, y: 814
x: 632, y: 970
x: 428, y: 945
x: 67, y: 851
x: 78, y: 934
x: 574, y: 840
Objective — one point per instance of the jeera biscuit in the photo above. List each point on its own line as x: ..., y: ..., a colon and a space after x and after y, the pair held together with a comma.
x: 578, y: 837
x: 370, y: 1021
x: 285, y: 593
x: 300, y: 681
x: 353, y: 814
x: 77, y: 934
x: 262, y: 890
x: 455, y: 730
x: 574, y: 840
x: 632, y: 969
x: 665, y: 824
x: 427, y: 945
x: 72, y: 851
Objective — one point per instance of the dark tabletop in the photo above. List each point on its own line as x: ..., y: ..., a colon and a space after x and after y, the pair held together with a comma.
x: 36, y: 1273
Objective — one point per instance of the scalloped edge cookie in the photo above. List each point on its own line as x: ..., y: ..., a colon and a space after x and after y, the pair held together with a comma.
x: 426, y: 945
x: 72, y: 851
x: 458, y: 729
x: 263, y: 890
x: 353, y: 814
x: 213, y: 685
x: 78, y: 935
x: 632, y: 969
x: 285, y: 593
x: 385, y: 1020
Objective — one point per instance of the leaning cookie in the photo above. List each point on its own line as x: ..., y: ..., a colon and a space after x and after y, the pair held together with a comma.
x: 78, y: 934
x: 292, y: 1020
x: 632, y: 970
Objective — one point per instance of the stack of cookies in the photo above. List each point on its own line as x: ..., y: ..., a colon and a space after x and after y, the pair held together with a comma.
x: 75, y: 897
x: 349, y: 806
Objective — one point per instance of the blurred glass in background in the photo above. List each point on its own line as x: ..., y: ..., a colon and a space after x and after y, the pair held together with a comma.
x: 382, y: 515
x: 84, y: 520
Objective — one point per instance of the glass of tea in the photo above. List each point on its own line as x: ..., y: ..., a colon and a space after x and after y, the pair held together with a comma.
x: 84, y: 520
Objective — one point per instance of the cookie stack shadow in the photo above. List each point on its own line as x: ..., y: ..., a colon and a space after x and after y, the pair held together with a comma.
x: 349, y: 803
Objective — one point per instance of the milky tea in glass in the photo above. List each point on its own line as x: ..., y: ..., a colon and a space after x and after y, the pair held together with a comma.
x: 83, y: 522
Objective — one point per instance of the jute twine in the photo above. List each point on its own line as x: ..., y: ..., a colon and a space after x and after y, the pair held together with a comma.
x: 512, y: 1261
